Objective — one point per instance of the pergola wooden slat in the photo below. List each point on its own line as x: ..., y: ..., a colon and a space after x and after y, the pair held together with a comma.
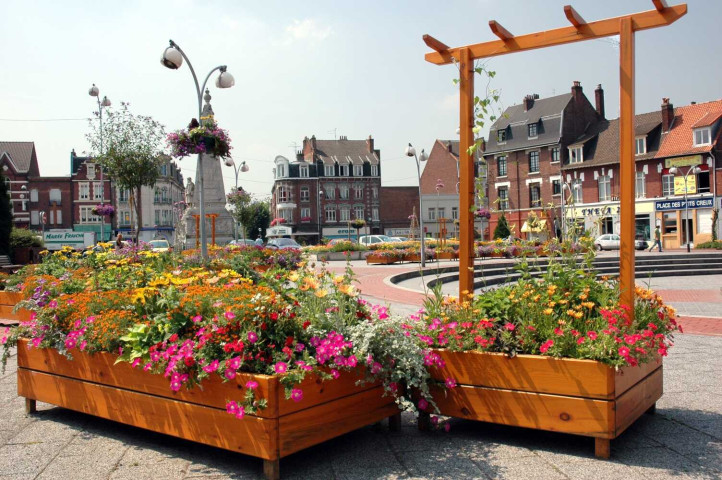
x: 580, y: 30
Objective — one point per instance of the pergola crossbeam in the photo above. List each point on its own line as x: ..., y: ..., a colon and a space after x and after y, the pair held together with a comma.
x: 435, y: 44
x: 560, y: 36
x: 500, y: 31
x: 660, y: 4
x: 574, y: 17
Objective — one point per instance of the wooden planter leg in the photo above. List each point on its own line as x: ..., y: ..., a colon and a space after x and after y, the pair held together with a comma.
x: 395, y: 422
x: 272, y: 469
x: 30, y: 406
x: 653, y: 409
x: 424, y: 421
x: 601, y: 447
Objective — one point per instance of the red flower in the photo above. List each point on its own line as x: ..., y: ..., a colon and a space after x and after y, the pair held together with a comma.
x: 509, y: 326
x: 546, y: 346
x: 623, y: 351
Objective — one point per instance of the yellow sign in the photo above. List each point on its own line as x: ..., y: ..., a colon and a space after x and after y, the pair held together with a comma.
x: 683, y: 161
x: 691, y: 185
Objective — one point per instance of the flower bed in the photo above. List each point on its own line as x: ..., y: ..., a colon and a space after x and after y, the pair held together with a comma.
x: 383, y: 257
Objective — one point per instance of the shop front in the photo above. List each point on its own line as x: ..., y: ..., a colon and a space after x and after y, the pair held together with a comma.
x: 600, y: 219
x: 680, y: 219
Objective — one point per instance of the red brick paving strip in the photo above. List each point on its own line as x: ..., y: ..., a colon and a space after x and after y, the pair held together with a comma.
x: 701, y: 325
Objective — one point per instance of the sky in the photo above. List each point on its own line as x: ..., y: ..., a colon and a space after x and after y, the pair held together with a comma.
x: 324, y: 68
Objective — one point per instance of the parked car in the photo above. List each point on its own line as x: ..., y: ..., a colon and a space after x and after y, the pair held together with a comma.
x: 372, y: 239
x: 283, y: 244
x: 241, y: 242
x: 160, y: 245
x: 610, y: 241
x: 401, y: 239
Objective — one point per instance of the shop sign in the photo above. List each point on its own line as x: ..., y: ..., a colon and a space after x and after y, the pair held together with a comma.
x: 683, y: 161
x: 401, y: 232
x: 278, y: 231
x: 600, y: 211
x: 679, y: 185
x: 666, y: 205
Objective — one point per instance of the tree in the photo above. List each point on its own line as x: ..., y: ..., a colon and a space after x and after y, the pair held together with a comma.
x: 129, y: 148
x: 260, y: 217
x: 502, y: 228
x: 6, y: 217
x: 240, y: 200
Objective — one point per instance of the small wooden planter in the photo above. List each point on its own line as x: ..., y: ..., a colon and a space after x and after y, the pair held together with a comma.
x: 379, y: 260
x: 581, y: 397
x: 447, y: 255
x: 7, y: 304
x: 92, y: 384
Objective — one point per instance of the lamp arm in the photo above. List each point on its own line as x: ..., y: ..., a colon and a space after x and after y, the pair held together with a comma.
x: 193, y: 72
x: 222, y: 68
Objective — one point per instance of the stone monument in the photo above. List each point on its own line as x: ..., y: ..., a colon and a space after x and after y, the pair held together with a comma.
x: 214, y: 193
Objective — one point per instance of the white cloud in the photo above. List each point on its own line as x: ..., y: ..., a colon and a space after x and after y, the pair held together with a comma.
x: 307, y: 29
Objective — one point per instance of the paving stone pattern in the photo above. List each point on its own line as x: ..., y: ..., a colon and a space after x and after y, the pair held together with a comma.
x: 683, y: 440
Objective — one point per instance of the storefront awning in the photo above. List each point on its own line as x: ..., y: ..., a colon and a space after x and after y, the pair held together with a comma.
x: 540, y: 227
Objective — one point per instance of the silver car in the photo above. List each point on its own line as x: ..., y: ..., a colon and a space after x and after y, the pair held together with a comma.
x: 610, y: 241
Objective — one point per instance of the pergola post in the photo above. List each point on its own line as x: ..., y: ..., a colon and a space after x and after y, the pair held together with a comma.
x: 466, y: 173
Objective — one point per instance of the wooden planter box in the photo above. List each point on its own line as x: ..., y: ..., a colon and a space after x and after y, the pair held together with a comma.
x: 581, y: 397
x: 7, y: 304
x: 92, y: 384
x: 376, y: 259
x: 328, y: 256
x: 447, y: 255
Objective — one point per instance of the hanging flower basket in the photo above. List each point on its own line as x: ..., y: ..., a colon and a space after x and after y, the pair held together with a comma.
x: 278, y: 221
x: 208, y: 139
x: 103, y: 210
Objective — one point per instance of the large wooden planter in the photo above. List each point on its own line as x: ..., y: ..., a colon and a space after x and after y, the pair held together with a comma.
x: 7, y: 304
x: 336, y: 256
x: 581, y: 397
x: 380, y: 260
x: 92, y: 384
x: 447, y: 255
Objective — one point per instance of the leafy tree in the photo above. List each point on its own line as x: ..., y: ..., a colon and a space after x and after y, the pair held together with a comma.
x: 242, y: 208
x: 131, y: 152
x: 502, y: 228
x: 260, y: 217
x: 6, y: 217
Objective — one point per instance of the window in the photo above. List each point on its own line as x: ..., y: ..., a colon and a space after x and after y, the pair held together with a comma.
x: 533, y: 130
x: 442, y: 212
x: 343, y: 192
x: 305, y: 214
x: 556, y: 187
x: 330, y: 192
x: 555, y: 154
x: 328, y: 170
x: 90, y: 170
x: 669, y: 222
x: 55, y: 195
x: 34, y: 217
x: 576, y: 154
x: 454, y: 213
x: 577, y: 193
x: 607, y: 226
x: 432, y: 214
x: 51, y: 216
x: 375, y: 214
x: 358, y: 192
x: 344, y: 171
x: 97, y: 190
x: 86, y: 215
x: 501, y: 166
x: 281, y: 195
x: 156, y: 195
x: 303, y: 171
x: 58, y: 217
x: 280, y: 170
x: 374, y: 170
x: 640, y: 145
x: 166, y: 217
x: 330, y: 214
x: 375, y: 193
x: 535, y: 195
x: 124, y: 218
x: 605, y: 188
x: 358, y: 170
x: 345, y: 214
x: 640, y: 186
x: 123, y: 195
x: 305, y: 194
x: 503, y: 198
x: 667, y: 185
x: 501, y: 136
x: 533, y: 162
x: 34, y: 195
x: 701, y: 136
x: 358, y: 212
x: 703, y: 182
x: 164, y: 170
x: 84, y: 190
x: 157, y: 217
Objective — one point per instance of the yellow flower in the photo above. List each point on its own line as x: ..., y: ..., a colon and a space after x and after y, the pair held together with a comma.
x: 589, y: 305
x: 320, y: 293
x: 338, y: 279
x: 293, y: 276
x: 552, y: 304
x: 349, y: 290
x: 548, y: 311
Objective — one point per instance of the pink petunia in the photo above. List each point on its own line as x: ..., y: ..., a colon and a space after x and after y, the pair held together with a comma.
x: 546, y: 346
x: 230, y: 374
x: 297, y: 394
x: 334, y: 373
x: 252, y: 337
x: 197, y: 318
x: 251, y: 385
x: 592, y: 335
x: 280, y: 367
x: 450, y: 382
x: 423, y: 404
x: 229, y: 315
x: 232, y: 407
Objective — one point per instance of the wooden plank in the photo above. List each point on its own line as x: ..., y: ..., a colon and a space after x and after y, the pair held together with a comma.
x: 531, y: 373
x: 466, y: 174
x: 434, y: 44
x: 100, y: 368
x: 323, y: 422
x: 250, y: 435
x: 627, y: 377
x: 316, y: 391
x: 637, y: 400
x: 10, y: 298
x: 501, y: 32
x: 602, y: 448
x: 660, y: 4
x: 556, y: 413
x: 561, y: 36
x: 574, y: 17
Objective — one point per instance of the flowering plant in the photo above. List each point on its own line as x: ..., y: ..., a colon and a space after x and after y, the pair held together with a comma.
x: 207, y: 138
x: 103, y: 210
x: 482, y: 212
x: 358, y: 223
x: 305, y: 219
x: 277, y: 221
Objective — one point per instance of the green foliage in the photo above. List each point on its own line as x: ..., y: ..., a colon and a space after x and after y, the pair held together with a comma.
x: 715, y: 220
x: 502, y: 228
x: 260, y: 217
x: 6, y: 217
x: 714, y: 244
x: 21, y: 237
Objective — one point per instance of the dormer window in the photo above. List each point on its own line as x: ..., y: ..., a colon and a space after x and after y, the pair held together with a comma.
x: 533, y: 130
x: 501, y: 136
x: 702, y: 137
x: 640, y: 145
x: 303, y: 171
x: 576, y: 154
x: 280, y: 170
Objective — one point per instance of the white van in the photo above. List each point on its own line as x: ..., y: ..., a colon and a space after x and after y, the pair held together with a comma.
x: 372, y: 239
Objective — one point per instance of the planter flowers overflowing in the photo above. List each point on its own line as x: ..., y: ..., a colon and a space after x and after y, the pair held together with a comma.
x: 207, y: 138
x: 103, y: 210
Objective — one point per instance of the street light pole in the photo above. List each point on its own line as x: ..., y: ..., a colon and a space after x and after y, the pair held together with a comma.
x: 318, y: 210
x: 173, y: 58
x: 95, y: 92
x: 411, y: 152
x: 694, y: 169
x: 241, y: 168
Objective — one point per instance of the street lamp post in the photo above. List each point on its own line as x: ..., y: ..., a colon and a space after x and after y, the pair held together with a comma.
x: 411, y: 152
x: 564, y: 213
x: 318, y: 210
x: 173, y: 58
x: 95, y: 92
x: 692, y: 169
x: 236, y: 169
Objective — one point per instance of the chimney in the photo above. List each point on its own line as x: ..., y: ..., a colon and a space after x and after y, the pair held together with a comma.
x: 529, y: 102
x: 599, y: 100
x: 370, y: 144
x: 667, y: 115
x: 313, y: 142
x: 577, y: 91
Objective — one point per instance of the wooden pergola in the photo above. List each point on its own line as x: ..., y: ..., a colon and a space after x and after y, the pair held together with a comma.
x: 580, y: 30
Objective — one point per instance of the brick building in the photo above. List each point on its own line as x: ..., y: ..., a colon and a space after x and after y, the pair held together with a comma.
x: 90, y: 188
x: 396, y: 205
x: 527, y: 147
